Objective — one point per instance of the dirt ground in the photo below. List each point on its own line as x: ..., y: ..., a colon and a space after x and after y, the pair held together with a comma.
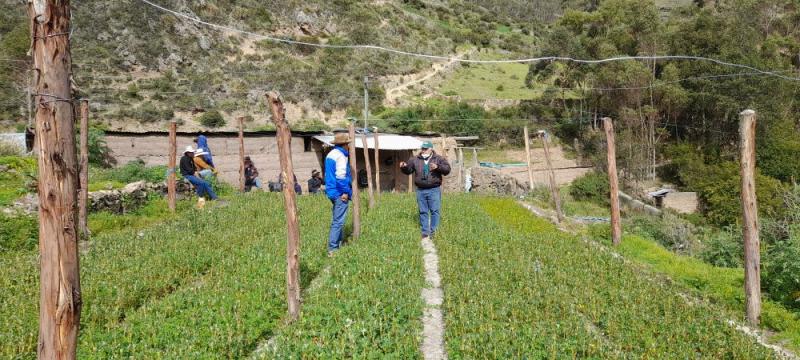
x: 566, y: 170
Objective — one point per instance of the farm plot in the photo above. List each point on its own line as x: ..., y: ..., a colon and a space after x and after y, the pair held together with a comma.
x: 517, y: 287
x: 210, y: 283
x: 368, y: 303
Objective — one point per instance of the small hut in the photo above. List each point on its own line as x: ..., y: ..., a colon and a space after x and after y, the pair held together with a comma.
x: 393, y: 149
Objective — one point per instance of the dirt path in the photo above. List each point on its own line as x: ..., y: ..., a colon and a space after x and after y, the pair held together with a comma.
x: 395, y: 93
x: 566, y: 170
x: 432, y: 346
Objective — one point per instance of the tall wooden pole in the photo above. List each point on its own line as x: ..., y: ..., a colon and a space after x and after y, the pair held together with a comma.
x: 377, y: 164
x: 552, y: 175
x: 475, y: 162
x: 528, y: 157
x: 60, y: 291
x: 752, y: 257
x: 284, y: 138
x: 461, y: 169
x: 370, y: 194
x: 173, y: 151
x: 83, y: 197
x: 241, y: 154
x: 613, y: 182
x: 354, y: 183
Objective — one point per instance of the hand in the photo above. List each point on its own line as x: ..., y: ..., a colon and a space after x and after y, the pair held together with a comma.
x: 345, y: 197
x: 403, y: 164
x: 433, y: 166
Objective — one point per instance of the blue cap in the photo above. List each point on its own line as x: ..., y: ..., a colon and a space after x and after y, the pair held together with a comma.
x: 427, y: 145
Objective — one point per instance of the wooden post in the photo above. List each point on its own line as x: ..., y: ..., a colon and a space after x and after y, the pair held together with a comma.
x: 284, y: 138
x: 528, y: 157
x: 173, y: 151
x: 241, y: 154
x: 354, y: 183
x: 60, y: 291
x: 752, y: 257
x: 377, y: 164
x: 410, y: 187
x: 370, y: 194
x: 83, y: 198
x: 552, y: 175
x: 475, y: 162
x: 461, y: 169
x: 613, y: 182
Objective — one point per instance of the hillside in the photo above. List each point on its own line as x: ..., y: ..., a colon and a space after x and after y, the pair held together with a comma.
x: 140, y: 66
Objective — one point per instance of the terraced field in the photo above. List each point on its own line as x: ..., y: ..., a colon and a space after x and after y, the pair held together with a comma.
x: 211, y: 285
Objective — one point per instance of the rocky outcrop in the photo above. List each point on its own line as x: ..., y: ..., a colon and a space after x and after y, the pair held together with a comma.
x: 491, y: 181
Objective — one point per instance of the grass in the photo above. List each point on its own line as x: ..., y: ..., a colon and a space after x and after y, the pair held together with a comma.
x: 517, y: 287
x: 206, y: 282
x: 722, y: 286
x: 14, y: 182
x: 368, y: 305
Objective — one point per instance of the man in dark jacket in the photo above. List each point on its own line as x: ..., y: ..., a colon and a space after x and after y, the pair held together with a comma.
x: 188, y: 172
x: 428, y: 169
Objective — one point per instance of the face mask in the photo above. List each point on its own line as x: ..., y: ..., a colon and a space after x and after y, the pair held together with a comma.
x: 426, y: 155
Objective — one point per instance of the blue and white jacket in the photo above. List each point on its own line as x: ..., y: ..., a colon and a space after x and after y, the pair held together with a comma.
x: 337, y: 173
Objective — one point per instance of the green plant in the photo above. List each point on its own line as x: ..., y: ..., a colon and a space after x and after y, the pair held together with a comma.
x: 724, y: 248
x: 782, y: 270
x: 8, y: 149
x: 98, y: 148
x: 590, y: 187
x: 133, y: 171
x: 18, y: 232
x: 212, y: 119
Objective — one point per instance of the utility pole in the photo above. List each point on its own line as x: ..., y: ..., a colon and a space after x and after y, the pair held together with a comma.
x: 60, y: 291
x: 752, y: 257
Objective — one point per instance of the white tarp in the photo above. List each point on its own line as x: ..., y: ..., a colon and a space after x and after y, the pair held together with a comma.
x: 387, y: 141
x: 14, y: 139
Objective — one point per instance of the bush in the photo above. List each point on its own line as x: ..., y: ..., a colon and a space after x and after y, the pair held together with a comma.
x: 212, y: 119
x: 590, y: 187
x: 782, y: 270
x: 131, y: 172
x: 8, y: 149
x: 670, y: 231
x: 724, y: 248
x: 98, y: 149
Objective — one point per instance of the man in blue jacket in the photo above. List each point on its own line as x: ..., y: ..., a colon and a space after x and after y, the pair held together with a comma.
x: 337, y: 187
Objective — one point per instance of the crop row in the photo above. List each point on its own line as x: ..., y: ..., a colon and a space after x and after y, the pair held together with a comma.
x: 517, y: 287
x: 209, y: 283
x: 367, y: 304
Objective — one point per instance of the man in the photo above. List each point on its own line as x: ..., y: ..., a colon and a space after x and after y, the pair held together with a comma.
x: 337, y: 187
x: 250, y: 175
x: 315, y: 183
x: 428, y: 169
x: 202, y: 143
x: 205, y: 170
x: 188, y: 172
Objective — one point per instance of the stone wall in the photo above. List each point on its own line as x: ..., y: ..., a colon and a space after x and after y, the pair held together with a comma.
x: 131, y: 196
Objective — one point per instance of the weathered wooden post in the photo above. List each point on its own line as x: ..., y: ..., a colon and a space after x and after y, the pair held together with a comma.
x: 528, y: 157
x: 552, y: 176
x: 83, y: 198
x: 284, y: 138
x: 354, y: 183
x: 370, y: 194
x: 475, y: 162
x: 461, y: 169
x: 60, y: 291
x: 377, y: 164
x: 173, y: 151
x: 241, y: 154
x: 613, y: 182
x: 752, y: 256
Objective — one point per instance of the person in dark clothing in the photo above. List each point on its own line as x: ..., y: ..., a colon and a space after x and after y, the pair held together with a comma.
x: 297, y: 188
x: 428, y: 169
x: 250, y: 175
x: 315, y: 183
x: 188, y: 171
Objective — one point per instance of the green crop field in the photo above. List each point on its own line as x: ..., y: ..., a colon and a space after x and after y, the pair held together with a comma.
x: 211, y: 284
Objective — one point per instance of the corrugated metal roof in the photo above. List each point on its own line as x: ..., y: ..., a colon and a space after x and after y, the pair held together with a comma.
x: 387, y: 141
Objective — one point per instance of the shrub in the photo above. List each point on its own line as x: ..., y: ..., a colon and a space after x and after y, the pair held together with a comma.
x: 8, y: 149
x: 212, y: 119
x: 98, y: 149
x: 590, y: 187
x: 131, y: 172
x: 724, y: 248
x: 782, y: 270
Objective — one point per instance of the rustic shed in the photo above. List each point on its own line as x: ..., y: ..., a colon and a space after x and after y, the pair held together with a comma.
x: 393, y: 149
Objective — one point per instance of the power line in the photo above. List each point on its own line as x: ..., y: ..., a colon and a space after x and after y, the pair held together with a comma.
x: 449, y: 58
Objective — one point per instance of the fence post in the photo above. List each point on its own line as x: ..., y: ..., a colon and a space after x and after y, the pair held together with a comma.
x: 284, y: 137
x: 241, y: 154
x: 752, y: 257
x: 173, y: 150
x: 354, y: 183
x: 552, y: 175
x: 83, y: 198
x: 461, y: 169
x: 370, y: 195
x: 60, y: 291
x: 613, y: 182
x: 528, y: 157
x: 377, y: 164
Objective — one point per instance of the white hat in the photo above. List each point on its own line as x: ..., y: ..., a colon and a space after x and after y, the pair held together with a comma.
x: 189, y: 148
x: 200, y: 152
